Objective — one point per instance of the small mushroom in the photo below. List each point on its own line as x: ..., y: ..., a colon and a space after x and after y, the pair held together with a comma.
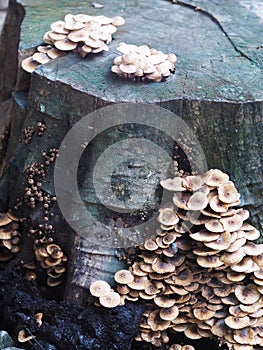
x: 23, y: 337
x: 29, y: 65
x: 110, y: 300
x: 65, y: 45
x: 123, y: 277
x: 100, y: 288
x: 197, y: 201
x: 59, y: 27
x: 247, y: 294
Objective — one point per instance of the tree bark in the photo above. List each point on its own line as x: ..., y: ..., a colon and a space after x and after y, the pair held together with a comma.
x: 216, y: 90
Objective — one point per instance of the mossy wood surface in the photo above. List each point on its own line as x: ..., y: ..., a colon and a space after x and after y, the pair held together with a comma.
x: 217, y: 90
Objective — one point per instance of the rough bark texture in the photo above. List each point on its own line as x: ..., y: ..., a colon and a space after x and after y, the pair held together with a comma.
x: 216, y: 90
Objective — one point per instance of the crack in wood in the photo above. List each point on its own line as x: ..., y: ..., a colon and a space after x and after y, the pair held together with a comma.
x: 217, y: 22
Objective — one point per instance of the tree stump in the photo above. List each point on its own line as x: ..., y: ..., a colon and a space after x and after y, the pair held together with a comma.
x: 216, y: 90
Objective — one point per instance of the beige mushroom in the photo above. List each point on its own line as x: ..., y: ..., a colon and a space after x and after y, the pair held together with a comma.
x: 65, y: 45
x: 123, y: 277
x: 100, y: 288
x: 29, y: 65
x: 110, y: 300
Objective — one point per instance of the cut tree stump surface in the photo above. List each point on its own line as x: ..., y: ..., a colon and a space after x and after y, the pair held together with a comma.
x: 219, y: 49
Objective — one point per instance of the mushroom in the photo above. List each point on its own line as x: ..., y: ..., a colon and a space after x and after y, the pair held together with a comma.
x: 215, y: 177
x: 100, y: 288
x: 29, y: 65
x: 23, y: 337
x: 247, y: 294
x: 123, y: 277
x: 110, y: 300
x: 173, y: 185
x: 197, y: 201
x: 227, y: 193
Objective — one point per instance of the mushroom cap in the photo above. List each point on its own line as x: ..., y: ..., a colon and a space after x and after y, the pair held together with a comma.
x: 247, y: 294
x: 215, y: 177
x: 197, y: 201
x: 228, y: 193
x: 150, y: 244
x: 164, y: 301
x: 221, y: 243
x: 191, y: 332
x: 22, y: 337
x: 217, y: 205
x: 53, y: 282
x: 204, y: 236
x: 29, y: 65
x: 193, y: 182
x: 55, y: 53
x: 169, y: 313
x: 54, y: 250
x: 5, y: 233
x: 234, y: 322
x: 44, y: 48
x: 82, y: 18
x: 162, y: 267
x: 243, y: 266
x: 149, y: 69
x: 232, y: 223
x: 172, y: 58
x: 150, y: 288
x: 175, y: 347
x: 56, y: 36
x: 74, y: 25
x: 219, y: 328
x: 156, y: 323
x: 170, y: 238
x: 209, y: 261
x: 243, y: 213
x: 235, y: 310
x: 79, y: 35
x: 214, y: 225
x: 188, y: 347
x: 203, y: 313
x: 127, y: 68
x: 100, y: 288
x: 157, y: 58
x: 173, y: 185
x: 110, y: 300
x: 123, y: 277
x: 118, y: 21
x: 251, y: 235
x: 233, y: 258
x: 59, y: 27
x: 167, y: 216
x: 47, y: 39
x: 180, y: 199
x: 235, y: 276
x: 41, y: 57
x: 237, y: 244
x: 65, y: 45
x: 86, y: 49
x: 138, y: 283
x: 253, y: 249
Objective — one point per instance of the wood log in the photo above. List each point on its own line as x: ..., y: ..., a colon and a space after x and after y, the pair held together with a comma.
x: 216, y: 90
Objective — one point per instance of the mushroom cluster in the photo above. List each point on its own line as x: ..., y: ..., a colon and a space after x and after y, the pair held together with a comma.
x: 141, y: 62
x: 52, y: 259
x: 81, y: 33
x: 9, y: 236
x: 202, y: 274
